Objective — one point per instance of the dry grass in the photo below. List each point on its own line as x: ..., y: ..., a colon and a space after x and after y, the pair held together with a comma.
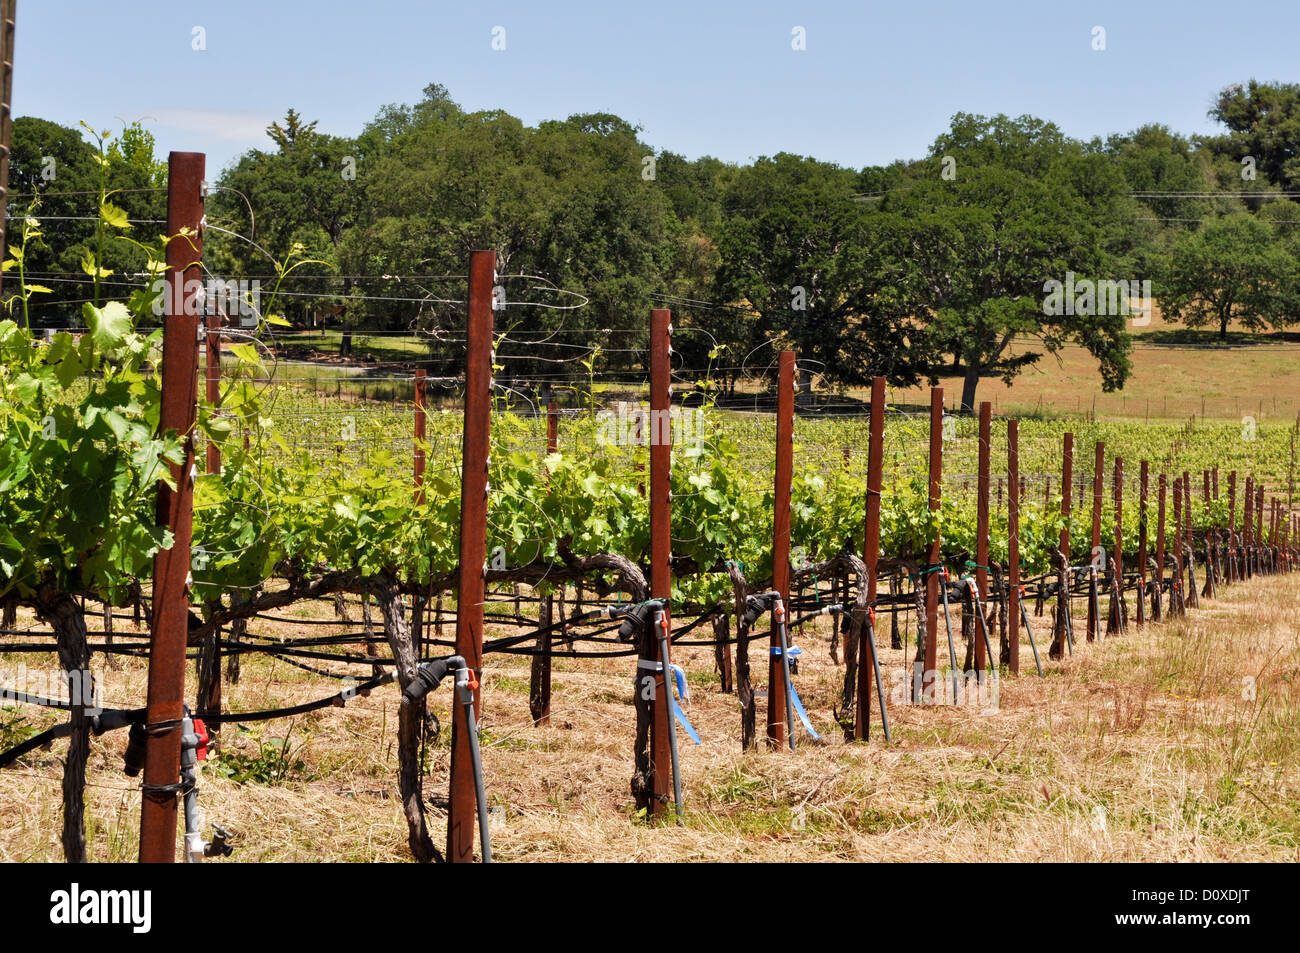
x: 1144, y: 748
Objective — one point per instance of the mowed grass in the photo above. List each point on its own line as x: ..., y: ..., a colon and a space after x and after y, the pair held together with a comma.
x: 1176, y: 742
x: 1258, y: 376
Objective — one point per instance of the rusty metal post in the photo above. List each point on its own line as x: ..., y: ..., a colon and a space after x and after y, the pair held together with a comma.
x: 1117, y: 558
x: 982, y: 531
x: 1233, y: 574
x: 1098, y: 466
x: 1067, y: 478
x: 1247, y: 527
x: 1259, y: 524
x: 463, y: 803
x: 1143, y: 499
x: 8, y: 15
x: 1013, y: 546
x: 929, y: 675
x: 169, y: 610
x: 776, y: 688
x: 539, y: 690
x: 1157, y: 596
x: 1179, y: 607
x: 661, y: 449
x: 871, y: 553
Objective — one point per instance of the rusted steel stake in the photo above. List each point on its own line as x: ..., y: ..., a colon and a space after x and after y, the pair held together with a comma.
x: 1143, y: 499
x: 1157, y: 594
x: 1060, y: 636
x: 927, y: 678
x: 539, y: 694
x: 1098, y: 468
x: 1177, y: 599
x: 1117, y: 558
x: 661, y: 449
x: 868, y: 664
x: 776, y: 687
x: 982, y: 534
x: 1233, y: 574
x: 169, y: 610
x: 463, y: 803
x: 1013, y: 546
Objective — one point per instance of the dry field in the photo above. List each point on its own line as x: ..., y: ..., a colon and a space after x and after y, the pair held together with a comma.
x: 1150, y: 747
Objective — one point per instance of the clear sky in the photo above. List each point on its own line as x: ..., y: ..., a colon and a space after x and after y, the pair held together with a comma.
x: 877, y: 81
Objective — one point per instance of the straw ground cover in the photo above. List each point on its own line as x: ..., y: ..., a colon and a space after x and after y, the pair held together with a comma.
x: 1175, y: 743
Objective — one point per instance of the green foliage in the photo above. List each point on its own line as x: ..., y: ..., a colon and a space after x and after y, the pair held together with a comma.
x: 275, y: 761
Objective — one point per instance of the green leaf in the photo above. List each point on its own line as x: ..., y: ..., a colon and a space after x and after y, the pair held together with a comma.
x: 108, y: 325
x: 113, y: 216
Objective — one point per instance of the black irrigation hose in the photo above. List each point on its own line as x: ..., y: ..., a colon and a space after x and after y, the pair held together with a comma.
x: 132, y: 716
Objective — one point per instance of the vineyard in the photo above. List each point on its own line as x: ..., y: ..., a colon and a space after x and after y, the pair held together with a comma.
x: 304, y: 549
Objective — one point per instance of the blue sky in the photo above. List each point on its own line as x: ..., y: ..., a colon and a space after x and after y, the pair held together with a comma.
x: 877, y: 81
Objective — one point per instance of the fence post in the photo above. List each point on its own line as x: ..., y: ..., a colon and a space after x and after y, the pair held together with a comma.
x: 463, y: 802
x: 776, y: 688
x: 1157, y: 595
x: 8, y: 16
x: 1143, y: 494
x: 661, y: 449
x: 1098, y: 466
x: 982, y: 534
x: 539, y: 689
x: 1117, y: 559
x: 1233, y: 575
x: 929, y: 674
x: 1013, y: 546
x: 208, y: 701
x: 169, y: 610
x: 1247, y: 527
x: 871, y: 555
x: 1063, y: 598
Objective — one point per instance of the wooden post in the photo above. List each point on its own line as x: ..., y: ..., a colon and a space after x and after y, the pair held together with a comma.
x: 473, y: 544
x: 169, y: 609
x: 929, y: 674
x: 871, y: 553
x: 776, y: 689
x: 1013, y: 546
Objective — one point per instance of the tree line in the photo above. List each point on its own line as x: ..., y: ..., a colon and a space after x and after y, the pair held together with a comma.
x: 1006, y: 242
